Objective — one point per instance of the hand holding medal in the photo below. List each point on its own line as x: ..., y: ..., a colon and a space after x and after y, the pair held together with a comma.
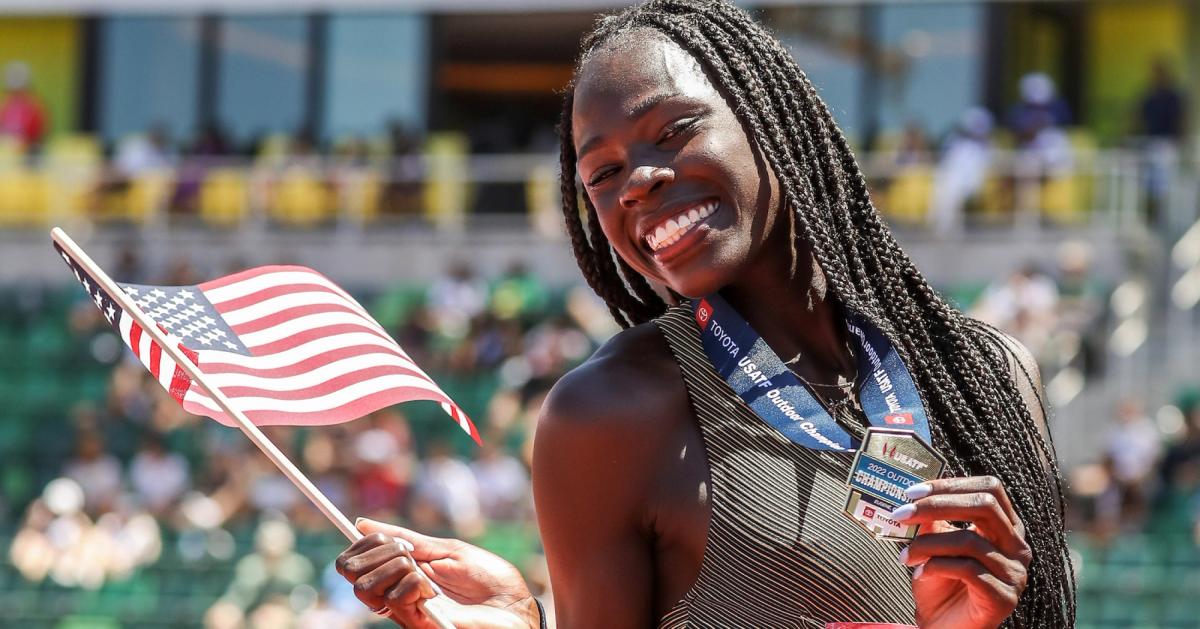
x: 965, y: 578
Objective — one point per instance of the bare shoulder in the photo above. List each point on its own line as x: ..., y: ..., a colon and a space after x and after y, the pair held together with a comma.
x: 623, y: 387
x: 601, y: 437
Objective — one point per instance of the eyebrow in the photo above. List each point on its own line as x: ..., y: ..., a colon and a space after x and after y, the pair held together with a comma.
x: 641, y: 108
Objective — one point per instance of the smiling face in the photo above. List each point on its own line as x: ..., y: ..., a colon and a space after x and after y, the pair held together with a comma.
x: 681, y: 194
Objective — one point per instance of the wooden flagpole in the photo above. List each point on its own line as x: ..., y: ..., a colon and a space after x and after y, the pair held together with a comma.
x: 252, y: 431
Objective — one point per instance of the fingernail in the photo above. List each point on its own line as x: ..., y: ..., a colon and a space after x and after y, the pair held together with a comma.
x: 905, y: 512
x: 903, y: 557
x: 405, y: 543
x: 358, y: 521
x: 920, y: 490
x: 918, y: 571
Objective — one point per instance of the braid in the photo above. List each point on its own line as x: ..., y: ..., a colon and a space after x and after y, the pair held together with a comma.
x: 980, y: 421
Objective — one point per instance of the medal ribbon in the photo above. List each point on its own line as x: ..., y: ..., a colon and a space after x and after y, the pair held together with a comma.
x: 886, y: 389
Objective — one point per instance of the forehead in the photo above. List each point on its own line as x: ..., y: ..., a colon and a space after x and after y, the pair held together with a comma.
x: 636, y: 66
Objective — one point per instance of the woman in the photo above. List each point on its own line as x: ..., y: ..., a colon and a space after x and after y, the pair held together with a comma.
x: 709, y: 166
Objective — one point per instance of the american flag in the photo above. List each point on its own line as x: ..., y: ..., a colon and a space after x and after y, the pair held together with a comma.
x: 284, y: 343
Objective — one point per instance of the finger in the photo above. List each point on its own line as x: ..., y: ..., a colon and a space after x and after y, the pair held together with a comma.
x: 361, y: 564
x: 980, y: 509
x: 409, y: 591
x: 980, y: 583
x: 425, y: 548
x: 359, y: 547
x: 376, y: 582
x: 967, y: 485
x: 963, y: 543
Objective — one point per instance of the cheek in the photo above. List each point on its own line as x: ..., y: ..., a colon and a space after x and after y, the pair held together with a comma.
x: 733, y: 156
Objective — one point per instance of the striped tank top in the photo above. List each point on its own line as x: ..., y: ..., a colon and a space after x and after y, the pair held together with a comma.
x: 779, y: 552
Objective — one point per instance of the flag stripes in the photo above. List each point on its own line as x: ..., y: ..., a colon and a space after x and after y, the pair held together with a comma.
x: 284, y: 343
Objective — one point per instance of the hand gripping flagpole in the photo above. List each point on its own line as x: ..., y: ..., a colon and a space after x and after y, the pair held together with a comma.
x: 252, y: 431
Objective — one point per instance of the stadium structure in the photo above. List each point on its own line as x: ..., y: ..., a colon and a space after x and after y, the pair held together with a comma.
x: 407, y: 149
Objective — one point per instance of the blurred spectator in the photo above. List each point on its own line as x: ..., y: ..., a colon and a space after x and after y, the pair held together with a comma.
x: 1180, y: 469
x: 1161, y: 123
x: 382, y: 479
x: 962, y: 169
x: 1022, y: 305
x: 1037, y: 122
x: 1134, y: 446
x: 402, y: 192
x: 447, y: 484
x: 555, y: 346
x: 456, y: 298
x: 1081, y: 305
x: 22, y: 116
x: 158, y: 477
x: 913, y: 149
x: 321, y: 615
x: 207, y: 152
x: 97, y: 472
x: 503, y: 482
x: 211, y: 142
x: 273, y: 569
x: 1040, y: 106
x: 1163, y: 108
x: 518, y: 293
x: 149, y: 152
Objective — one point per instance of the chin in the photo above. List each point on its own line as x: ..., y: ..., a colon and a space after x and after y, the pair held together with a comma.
x: 697, y: 285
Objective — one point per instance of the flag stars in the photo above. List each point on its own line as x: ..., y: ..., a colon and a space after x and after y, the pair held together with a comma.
x: 109, y: 313
x: 231, y: 346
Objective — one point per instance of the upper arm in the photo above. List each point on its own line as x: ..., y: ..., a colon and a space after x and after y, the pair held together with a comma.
x: 589, y: 482
x: 1028, y: 378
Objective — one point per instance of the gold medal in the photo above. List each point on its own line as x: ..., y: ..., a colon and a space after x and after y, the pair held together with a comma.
x: 889, y: 461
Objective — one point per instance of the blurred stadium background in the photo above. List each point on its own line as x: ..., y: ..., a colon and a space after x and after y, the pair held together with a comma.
x: 1036, y: 159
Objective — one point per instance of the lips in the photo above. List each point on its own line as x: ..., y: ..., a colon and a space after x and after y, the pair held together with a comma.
x: 679, y: 223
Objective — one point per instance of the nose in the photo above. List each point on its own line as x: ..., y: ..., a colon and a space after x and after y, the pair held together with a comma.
x: 643, y: 182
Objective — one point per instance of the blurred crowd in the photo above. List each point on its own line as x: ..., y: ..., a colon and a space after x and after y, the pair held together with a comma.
x: 1146, y: 475
x: 1037, y: 161
x: 140, y: 464
x: 1034, y: 159
x: 142, y: 471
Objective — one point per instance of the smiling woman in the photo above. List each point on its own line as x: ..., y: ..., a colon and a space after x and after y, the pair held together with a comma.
x: 721, y: 200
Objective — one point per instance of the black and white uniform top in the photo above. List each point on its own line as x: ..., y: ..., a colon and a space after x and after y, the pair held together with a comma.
x: 780, y: 551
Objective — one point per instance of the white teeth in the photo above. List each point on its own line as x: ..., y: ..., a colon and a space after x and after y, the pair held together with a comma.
x: 671, y: 231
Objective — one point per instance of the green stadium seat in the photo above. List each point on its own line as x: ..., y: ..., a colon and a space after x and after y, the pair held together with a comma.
x: 87, y: 622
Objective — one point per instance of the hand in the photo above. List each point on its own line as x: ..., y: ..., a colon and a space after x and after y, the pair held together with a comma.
x: 966, y: 578
x: 482, y: 591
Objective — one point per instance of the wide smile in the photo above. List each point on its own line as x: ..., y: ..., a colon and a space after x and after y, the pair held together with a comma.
x: 680, y: 228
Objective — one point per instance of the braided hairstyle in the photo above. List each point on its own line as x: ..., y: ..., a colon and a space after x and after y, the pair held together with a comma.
x: 965, y: 380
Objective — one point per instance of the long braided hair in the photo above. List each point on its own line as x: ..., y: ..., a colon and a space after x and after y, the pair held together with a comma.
x: 981, y: 423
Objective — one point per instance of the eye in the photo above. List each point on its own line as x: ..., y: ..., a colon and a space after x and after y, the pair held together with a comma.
x: 600, y: 175
x: 676, y: 128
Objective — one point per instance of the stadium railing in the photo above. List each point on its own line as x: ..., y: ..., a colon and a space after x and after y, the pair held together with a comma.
x: 445, y: 187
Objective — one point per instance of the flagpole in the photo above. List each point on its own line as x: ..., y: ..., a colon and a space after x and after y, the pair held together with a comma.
x: 252, y: 431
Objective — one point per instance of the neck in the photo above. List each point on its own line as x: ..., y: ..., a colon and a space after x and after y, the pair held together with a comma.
x: 799, y: 315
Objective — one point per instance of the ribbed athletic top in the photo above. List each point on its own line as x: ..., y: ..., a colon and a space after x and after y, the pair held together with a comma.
x: 780, y: 551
